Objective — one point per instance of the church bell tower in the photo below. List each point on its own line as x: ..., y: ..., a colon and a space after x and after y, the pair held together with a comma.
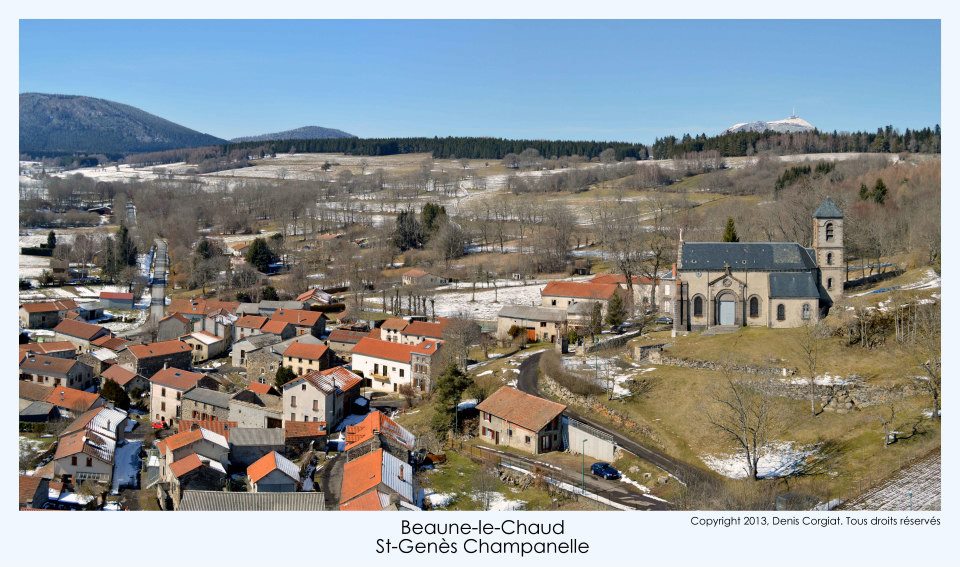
x: 828, y: 245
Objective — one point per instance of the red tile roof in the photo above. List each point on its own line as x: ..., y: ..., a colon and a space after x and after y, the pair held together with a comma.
x: 72, y: 399
x: 201, y: 306
x: 250, y: 322
x: 120, y: 295
x: 49, y: 347
x: 346, y: 336
x: 415, y: 273
x: 187, y: 464
x: 267, y: 464
x: 326, y: 380
x: 530, y: 412
x: 178, y: 317
x: 361, y: 475
x: 46, y: 365
x: 259, y: 388
x: 301, y: 429
x: 111, y: 343
x: 376, y: 422
x: 297, y: 317
x: 79, y: 329
x: 304, y: 350
x: 384, y: 350
x: 215, y: 425
x: 28, y: 488
x: 274, y: 327
x: 163, y: 348
x: 394, y: 324
x: 427, y: 346
x: 49, y: 306
x: 176, y: 378
x: 580, y: 290
x: 366, y: 502
x: 426, y: 329
x: 118, y: 374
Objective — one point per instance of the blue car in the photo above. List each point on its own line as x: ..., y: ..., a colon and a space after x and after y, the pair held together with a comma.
x: 605, y: 470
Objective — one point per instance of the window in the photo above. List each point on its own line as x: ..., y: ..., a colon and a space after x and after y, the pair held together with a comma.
x: 829, y: 258
x: 781, y: 312
x: 163, y: 406
x: 73, y: 461
x: 316, y: 405
x: 754, y: 307
x: 805, y: 312
x: 543, y: 323
x: 401, y: 372
x: 698, y: 306
x: 178, y: 396
x: 293, y: 401
x: 163, y: 392
x: 553, y: 302
x: 526, y: 439
x: 303, y: 387
x: 829, y: 283
x: 89, y: 462
x: 829, y: 230
x: 376, y: 369
x: 293, y: 416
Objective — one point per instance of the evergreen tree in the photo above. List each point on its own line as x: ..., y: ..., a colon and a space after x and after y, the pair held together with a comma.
x: 268, y: 293
x: 408, y: 233
x: 126, y: 253
x: 596, y: 319
x: 446, y: 395
x: 116, y: 394
x: 880, y: 192
x: 259, y: 255
x: 616, y: 312
x: 51, y: 240
x: 730, y: 232
x: 864, y: 192
x: 283, y: 376
x: 431, y: 218
x: 204, y: 250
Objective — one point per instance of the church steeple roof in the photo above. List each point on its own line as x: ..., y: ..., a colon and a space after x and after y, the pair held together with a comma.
x: 828, y: 210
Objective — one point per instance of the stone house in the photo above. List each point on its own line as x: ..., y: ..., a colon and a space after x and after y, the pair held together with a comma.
x: 205, y: 345
x: 55, y: 371
x: 305, y: 322
x: 205, y: 404
x: 248, y: 445
x: 131, y: 382
x: 257, y: 406
x: 173, y: 327
x: 80, y: 333
x: 563, y: 294
x: 116, y: 300
x: 342, y: 341
x: 322, y: 396
x: 303, y: 358
x: 521, y: 421
x: 167, y: 388
x: 537, y: 323
x: 262, y: 363
x: 416, y: 276
x: 248, y: 326
x: 148, y: 359
x: 46, y: 314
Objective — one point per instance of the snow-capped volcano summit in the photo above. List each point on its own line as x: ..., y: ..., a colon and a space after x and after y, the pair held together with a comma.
x: 791, y: 124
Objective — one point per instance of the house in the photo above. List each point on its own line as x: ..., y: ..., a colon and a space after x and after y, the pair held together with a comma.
x: 761, y: 284
x: 302, y: 357
x: 148, y: 359
x: 219, y: 501
x: 273, y: 473
x: 34, y: 492
x: 54, y: 371
x: 315, y: 297
x: 60, y: 349
x: 131, y: 382
x: 562, y: 294
x: 301, y: 436
x: 219, y: 323
x: 45, y: 315
x: 269, y: 307
x: 205, y: 404
x: 392, y: 328
x: 205, y: 345
x: 219, y: 427
x: 113, y: 344
x: 248, y: 444
x: 167, y: 387
x: 86, y: 448
x: 72, y: 402
x: 389, y: 365
x: 282, y: 329
x: 38, y: 412
x: 262, y: 363
x: 517, y: 419
x: 418, y: 331
x: 377, y: 431
x: 238, y: 354
x: 643, y: 287
x: 342, y: 341
x: 173, y: 326
x: 193, y: 472
x: 199, y: 441
x: 535, y: 323
x: 320, y: 395
x: 195, y: 309
x: 416, y: 276
x: 90, y: 311
x: 304, y: 322
x: 247, y: 326
x: 80, y: 333
x: 381, y: 479
x: 259, y: 405
x: 116, y: 300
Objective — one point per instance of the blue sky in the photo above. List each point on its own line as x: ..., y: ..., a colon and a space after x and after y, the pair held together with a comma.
x: 574, y: 79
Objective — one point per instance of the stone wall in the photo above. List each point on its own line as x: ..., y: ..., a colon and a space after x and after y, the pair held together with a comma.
x: 655, y: 356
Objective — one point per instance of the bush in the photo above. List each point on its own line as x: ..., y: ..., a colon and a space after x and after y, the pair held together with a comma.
x: 551, y: 365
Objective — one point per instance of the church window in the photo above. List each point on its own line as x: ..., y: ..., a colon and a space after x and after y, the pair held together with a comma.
x: 781, y: 312
x: 829, y: 258
x: 829, y: 283
x: 829, y: 231
x: 806, y: 311
x: 754, y: 307
x: 698, y: 306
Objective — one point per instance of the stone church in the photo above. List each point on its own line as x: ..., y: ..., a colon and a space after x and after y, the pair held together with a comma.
x: 761, y: 284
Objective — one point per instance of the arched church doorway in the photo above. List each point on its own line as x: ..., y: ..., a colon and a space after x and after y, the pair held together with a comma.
x: 726, y: 309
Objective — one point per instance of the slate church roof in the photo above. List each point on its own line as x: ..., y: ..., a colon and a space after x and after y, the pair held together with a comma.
x: 786, y: 285
x: 828, y: 210
x: 762, y: 256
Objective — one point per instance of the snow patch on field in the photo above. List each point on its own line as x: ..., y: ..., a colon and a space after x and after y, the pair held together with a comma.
x: 776, y: 460
x: 496, y: 502
x: 438, y: 500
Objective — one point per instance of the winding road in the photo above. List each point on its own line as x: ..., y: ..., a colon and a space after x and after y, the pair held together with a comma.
x: 687, y: 474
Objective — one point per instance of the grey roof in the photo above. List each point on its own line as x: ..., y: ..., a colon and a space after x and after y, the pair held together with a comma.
x: 267, y: 307
x: 765, y: 256
x: 531, y: 313
x: 208, y: 396
x: 828, y: 210
x: 218, y: 501
x: 581, y: 308
x: 35, y: 409
x: 793, y: 285
x: 256, y: 437
x: 260, y: 341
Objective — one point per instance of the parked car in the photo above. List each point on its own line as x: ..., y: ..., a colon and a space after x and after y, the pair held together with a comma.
x: 665, y: 320
x: 605, y: 470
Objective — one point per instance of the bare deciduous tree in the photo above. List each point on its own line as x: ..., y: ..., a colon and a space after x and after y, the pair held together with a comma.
x: 742, y: 416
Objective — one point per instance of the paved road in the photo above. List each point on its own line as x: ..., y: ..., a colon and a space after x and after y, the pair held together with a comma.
x: 158, y: 287
x: 527, y: 382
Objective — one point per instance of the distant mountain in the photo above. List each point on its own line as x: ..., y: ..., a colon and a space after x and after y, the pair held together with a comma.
x: 302, y: 133
x: 52, y: 124
x: 786, y: 125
